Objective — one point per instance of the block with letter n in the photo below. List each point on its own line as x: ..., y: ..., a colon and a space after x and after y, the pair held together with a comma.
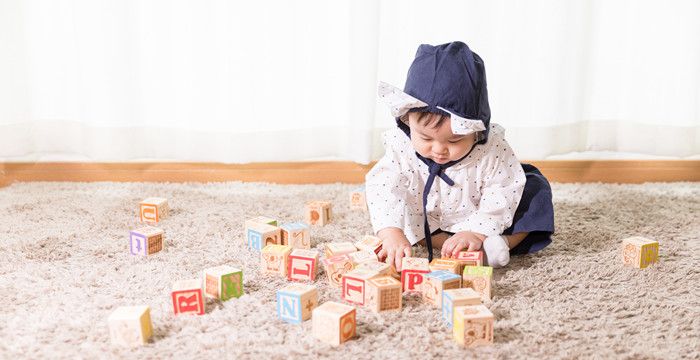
x: 188, y: 297
x: 295, y: 302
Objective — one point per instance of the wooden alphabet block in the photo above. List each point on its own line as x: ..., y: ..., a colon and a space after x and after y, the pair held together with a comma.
x: 639, y: 252
x: 152, y: 210
x: 318, y: 213
x: 450, y: 265
x: 379, y: 267
x: 358, y: 199
x: 339, y: 248
x: 457, y: 297
x: 274, y: 259
x: 384, y: 293
x: 334, y: 323
x: 473, y: 325
x: 470, y: 258
x: 413, y: 271
x: 130, y: 325
x: 335, y: 267
x: 295, y: 302
x: 370, y: 243
x: 260, y: 235
x: 479, y: 279
x: 438, y: 281
x: 261, y: 220
x: 355, y: 285
x: 188, y: 297
x: 146, y: 240
x: 223, y: 282
x: 302, y: 265
x: 296, y: 235
x: 359, y: 257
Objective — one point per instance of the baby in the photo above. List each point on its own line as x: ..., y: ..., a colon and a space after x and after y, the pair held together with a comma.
x: 449, y: 180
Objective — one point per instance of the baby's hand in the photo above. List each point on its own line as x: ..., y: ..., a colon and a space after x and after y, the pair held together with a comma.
x: 462, y: 240
x: 394, y: 246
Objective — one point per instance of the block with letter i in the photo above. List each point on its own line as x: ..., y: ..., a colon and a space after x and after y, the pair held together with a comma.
x: 473, y: 325
x: 355, y: 285
x: 318, y: 213
x: 450, y: 265
x: 274, y: 258
x: 383, y: 293
x: 358, y: 199
x: 336, y: 267
x: 369, y: 243
x: 146, y: 240
x: 188, y: 297
x: 223, y: 282
x: 436, y: 282
x: 295, y: 302
x: 296, y: 235
x: 334, y: 323
x: 479, y: 279
x: 130, y: 325
x: 457, y: 297
x: 639, y: 252
x: 413, y: 271
x: 260, y: 235
x: 153, y: 210
x: 302, y: 265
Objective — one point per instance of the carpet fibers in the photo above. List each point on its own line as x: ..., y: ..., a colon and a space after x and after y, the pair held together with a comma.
x: 65, y: 266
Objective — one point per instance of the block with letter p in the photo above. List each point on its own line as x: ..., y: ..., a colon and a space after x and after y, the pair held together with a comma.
x: 355, y: 285
x: 302, y: 265
x: 412, y: 272
x: 188, y: 297
x: 295, y: 302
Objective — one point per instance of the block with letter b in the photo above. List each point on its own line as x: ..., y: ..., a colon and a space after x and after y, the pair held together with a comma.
x: 146, y: 240
x: 334, y: 323
x: 302, y: 265
x: 473, y: 325
x: 318, y: 213
x: 223, y: 282
x: 188, y: 297
x: 639, y: 252
x: 260, y: 235
x: 130, y: 325
x: 152, y: 210
x: 296, y: 235
x: 413, y: 271
x: 295, y: 302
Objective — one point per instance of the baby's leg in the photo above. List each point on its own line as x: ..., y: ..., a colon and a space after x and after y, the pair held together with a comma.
x: 515, y: 239
x: 497, y: 248
x: 437, y: 240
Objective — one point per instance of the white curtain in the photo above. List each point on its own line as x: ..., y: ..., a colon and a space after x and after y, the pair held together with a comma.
x: 275, y: 80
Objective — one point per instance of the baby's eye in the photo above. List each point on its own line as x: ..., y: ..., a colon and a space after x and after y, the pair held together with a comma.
x: 425, y: 139
x: 454, y: 141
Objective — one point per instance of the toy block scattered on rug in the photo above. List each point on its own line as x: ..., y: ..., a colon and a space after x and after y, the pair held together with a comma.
x: 362, y: 256
x: 457, y: 297
x: 274, y: 259
x: 384, y: 293
x: 438, y: 281
x: 318, y: 213
x: 259, y: 235
x: 130, y: 325
x: 379, y: 267
x: 473, y: 325
x: 153, y: 210
x: 146, y: 240
x: 223, y: 282
x: 413, y: 271
x: 355, y: 285
x: 450, y: 265
x: 639, y: 252
x: 370, y: 243
x: 296, y: 235
x: 188, y: 297
x: 295, y: 302
x: 479, y: 279
x: 470, y: 258
x: 334, y: 323
x: 358, y: 200
x: 261, y: 220
x: 339, y: 248
x: 335, y: 267
x: 302, y: 265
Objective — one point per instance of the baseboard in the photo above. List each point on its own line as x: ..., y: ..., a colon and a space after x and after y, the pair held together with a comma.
x: 566, y: 171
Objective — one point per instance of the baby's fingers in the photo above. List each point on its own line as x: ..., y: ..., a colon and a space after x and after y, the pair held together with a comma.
x: 381, y: 255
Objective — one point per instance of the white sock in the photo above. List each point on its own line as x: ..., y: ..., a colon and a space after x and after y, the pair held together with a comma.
x: 497, y: 251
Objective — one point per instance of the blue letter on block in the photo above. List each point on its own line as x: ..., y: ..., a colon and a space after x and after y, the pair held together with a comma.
x: 289, y: 307
x: 447, y: 309
x: 254, y: 239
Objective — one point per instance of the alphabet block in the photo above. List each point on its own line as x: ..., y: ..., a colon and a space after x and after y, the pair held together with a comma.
x: 359, y: 257
x: 188, y: 297
x: 296, y: 235
x: 339, y: 248
x: 223, y: 282
x: 130, y: 325
x: 479, y: 279
x: 383, y: 293
x: 457, y: 297
x: 334, y: 323
x: 473, y: 325
x: 412, y: 271
x: 370, y: 243
x: 358, y: 199
x: 302, y: 265
x: 355, y: 285
x: 450, y: 265
x: 470, y: 258
x: 438, y: 281
x: 318, y: 213
x: 274, y: 259
x: 146, y: 240
x: 639, y: 252
x: 295, y: 302
x: 261, y: 220
x: 260, y: 235
x: 379, y: 267
x: 152, y: 210
x: 335, y: 267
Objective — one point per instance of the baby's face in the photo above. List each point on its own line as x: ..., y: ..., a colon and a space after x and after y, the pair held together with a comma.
x: 438, y: 143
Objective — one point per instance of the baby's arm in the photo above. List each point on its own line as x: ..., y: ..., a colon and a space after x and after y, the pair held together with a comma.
x: 394, y: 246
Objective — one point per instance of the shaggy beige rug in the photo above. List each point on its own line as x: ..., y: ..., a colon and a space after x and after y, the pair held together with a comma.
x: 65, y: 266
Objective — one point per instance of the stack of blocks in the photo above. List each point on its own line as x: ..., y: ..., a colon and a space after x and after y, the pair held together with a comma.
x: 260, y: 232
x: 153, y: 210
x: 473, y: 325
x: 457, y: 297
x: 146, y: 240
x: 370, y: 243
x: 357, y: 199
x: 450, y: 265
x: 274, y: 259
x: 296, y: 235
x: 355, y: 285
x: 130, y: 325
x: 335, y: 267
x: 187, y: 297
x: 295, y: 302
x: 318, y: 213
x: 334, y: 323
x: 413, y: 271
x: 302, y: 265
x: 479, y: 279
x: 639, y: 252
x: 436, y: 282
x: 223, y: 282
x: 383, y: 293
